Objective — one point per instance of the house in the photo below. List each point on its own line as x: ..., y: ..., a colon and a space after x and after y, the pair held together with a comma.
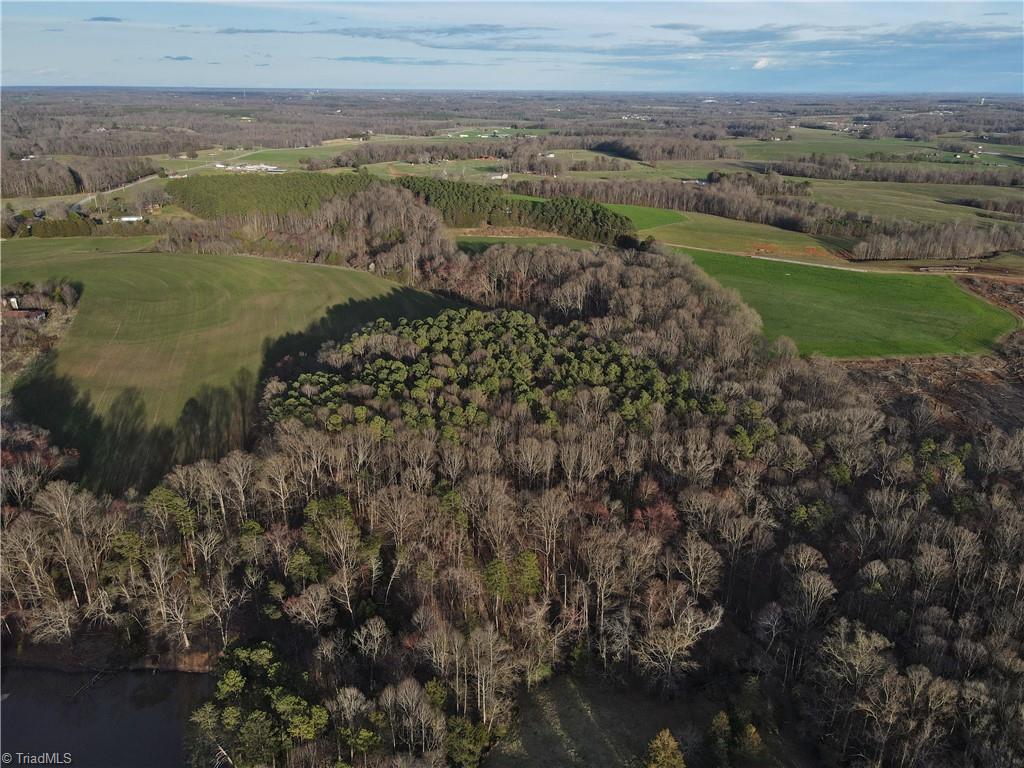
x: 31, y: 315
x: 499, y: 177
x: 128, y: 219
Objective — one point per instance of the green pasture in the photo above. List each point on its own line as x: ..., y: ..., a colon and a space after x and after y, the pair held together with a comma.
x: 844, y: 313
x: 168, y: 324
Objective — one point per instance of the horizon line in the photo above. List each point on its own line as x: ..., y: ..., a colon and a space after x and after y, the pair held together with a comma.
x: 258, y: 88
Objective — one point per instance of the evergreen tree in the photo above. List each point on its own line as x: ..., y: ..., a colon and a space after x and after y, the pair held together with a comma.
x: 664, y: 752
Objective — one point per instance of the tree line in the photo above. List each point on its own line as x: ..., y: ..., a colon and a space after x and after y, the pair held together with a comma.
x: 376, y: 226
x: 215, y: 195
x: 820, y: 166
x: 43, y: 177
x: 738, y: 196
x: 463, y: 204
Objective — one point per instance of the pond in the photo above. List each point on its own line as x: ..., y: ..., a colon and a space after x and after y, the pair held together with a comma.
x: 130, y: 719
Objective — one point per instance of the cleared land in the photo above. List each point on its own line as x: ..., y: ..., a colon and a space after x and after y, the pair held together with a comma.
x: 860, y: 314
x: 167, y: 325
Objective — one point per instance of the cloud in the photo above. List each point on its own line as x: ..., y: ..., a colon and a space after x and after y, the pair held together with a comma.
x: 396, y: 60
x: 177, y: 58
x: 384, y: 33
x: 764, y: 63
x: 678, y: 26
x: 262, y: 65
x: 53, y: 29
x: 996, y: 13
x: 111, y: 19
x: 237, y: 31
x: 484, y: 37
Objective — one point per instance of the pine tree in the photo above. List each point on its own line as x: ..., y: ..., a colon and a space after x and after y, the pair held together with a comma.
x: 664, y: 752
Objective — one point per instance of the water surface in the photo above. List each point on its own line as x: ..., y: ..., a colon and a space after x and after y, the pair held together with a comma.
x: 129, y: 719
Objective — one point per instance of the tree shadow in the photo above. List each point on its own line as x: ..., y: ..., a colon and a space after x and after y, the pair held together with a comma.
x: 296, y: 351
x: 837, y: 245
x: 116, y: 450
x: 119, y: 449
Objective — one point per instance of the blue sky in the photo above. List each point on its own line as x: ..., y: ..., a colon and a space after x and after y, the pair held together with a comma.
x: 974, y: 47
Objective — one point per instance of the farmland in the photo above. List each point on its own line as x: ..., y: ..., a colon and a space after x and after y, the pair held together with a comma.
x: 835, y: 312
x: 164, y: 357
x: 859, y: 314
x: 806, y: 141
x: 167, y: 325
x: 700, y: 230
x: 839, y: 312
x: 914, y: 202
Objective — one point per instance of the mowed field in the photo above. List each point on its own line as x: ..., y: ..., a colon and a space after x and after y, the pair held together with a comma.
x: 932, y: 203
x: 167, y: 325
x: 860, y: 314
x: 699, y: 230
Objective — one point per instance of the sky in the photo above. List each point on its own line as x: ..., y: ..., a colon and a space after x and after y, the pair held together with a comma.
x: 767, y: 47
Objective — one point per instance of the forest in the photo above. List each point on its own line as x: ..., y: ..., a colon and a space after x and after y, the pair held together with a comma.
x: 43, y: 177
x: 214, y: 196
x: 443, y: 510
x: 588, y: 465
x: 242, y: 210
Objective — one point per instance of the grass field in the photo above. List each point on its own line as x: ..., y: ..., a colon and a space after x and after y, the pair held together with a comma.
x: 699, y: 230
x: 933, y: 203
x: 842, y: 312
x: 808, y: 140
x: 649, y: 218
x: 860, y: 314
x: 167, y: 325
x: 289, y: 157
x: 162, y: 361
